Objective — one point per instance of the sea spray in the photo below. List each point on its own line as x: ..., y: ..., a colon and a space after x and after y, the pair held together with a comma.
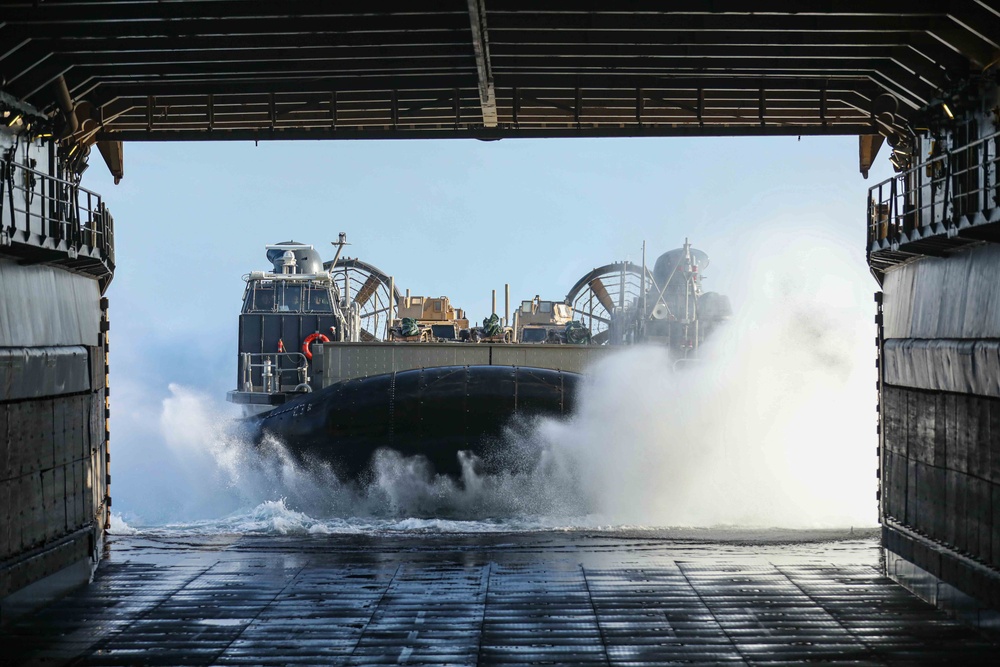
x: 774, y: 426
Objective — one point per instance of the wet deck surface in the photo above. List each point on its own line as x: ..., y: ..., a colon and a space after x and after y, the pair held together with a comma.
x: 529, y: 598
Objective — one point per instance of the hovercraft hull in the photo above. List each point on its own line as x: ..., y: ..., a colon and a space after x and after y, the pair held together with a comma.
x: 432, y: 412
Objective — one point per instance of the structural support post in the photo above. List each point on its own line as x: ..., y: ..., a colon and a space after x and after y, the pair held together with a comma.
x: 481, y: 46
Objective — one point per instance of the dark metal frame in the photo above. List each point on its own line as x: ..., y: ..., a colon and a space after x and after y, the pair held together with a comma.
x: 306, y: 69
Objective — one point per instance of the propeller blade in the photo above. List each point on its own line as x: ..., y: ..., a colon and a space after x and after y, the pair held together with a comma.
x: 367, y: 290
x: 597, y: 287
x: 368, y: 337
x: 601, y: 338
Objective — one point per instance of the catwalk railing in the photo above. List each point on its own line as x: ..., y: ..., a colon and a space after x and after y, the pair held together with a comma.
x: 53, y: 219
x: 950, y: 200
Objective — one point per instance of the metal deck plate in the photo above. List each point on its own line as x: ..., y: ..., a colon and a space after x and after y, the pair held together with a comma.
x: 527, y: 598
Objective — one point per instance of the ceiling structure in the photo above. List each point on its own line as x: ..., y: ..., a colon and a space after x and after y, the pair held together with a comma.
x: 303, y: 69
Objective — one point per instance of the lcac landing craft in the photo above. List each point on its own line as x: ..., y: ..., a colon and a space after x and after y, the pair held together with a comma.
x: 337, y: 364
x: 315, y: 370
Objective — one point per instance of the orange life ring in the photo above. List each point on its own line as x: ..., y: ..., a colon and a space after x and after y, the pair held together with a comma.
x: 309, y: 341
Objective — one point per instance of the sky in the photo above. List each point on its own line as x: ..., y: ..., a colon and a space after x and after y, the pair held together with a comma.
x: 445, y: 217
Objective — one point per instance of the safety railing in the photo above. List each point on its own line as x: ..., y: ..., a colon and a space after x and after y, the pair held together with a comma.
x: 42, y: 210
x: 266, y: 372
x: 949, y: 192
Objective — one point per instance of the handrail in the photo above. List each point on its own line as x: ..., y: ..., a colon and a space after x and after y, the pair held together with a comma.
x: 272, y: 370
x: 933, y: 197
x: 40, y: 209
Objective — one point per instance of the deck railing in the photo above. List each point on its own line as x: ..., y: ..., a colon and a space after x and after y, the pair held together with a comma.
x: 268, y: 372
x: 40, y: 210
x: 950, y: 192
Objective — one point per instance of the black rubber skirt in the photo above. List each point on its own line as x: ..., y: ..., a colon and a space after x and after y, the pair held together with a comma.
x: 434, y: 412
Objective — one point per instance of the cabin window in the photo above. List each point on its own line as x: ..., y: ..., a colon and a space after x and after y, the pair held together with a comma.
x: 263, y: 298
x: 437, y: 306
x: 291, y: 299
x: 319, y: 300
x: 443, y: 331
x: 545, y: 306
x: 525, y: 306
x: 534, y: 335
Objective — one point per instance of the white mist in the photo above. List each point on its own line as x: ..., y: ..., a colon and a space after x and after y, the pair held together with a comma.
x: 775, y: 427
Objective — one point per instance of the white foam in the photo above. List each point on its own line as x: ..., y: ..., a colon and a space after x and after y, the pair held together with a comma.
x: 118, y: 525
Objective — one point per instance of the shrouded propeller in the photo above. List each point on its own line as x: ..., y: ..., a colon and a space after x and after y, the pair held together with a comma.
x: 598, y: 295
x: 367, y: 288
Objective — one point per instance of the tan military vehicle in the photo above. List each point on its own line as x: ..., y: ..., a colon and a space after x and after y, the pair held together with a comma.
x: 538, y: 321
x: 424, y: 319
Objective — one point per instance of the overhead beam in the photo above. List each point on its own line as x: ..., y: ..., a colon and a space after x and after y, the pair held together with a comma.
x: 136, y: 52
x: 447, y: 130
x: 582, y: 66
x: 979, y: 19
x: 247, y: 112
x: 304, y: 83
x: 129, y: 10
x: 288, y: 67
x: 481, y: 48
x: 669, y: 20
x: 966, y: 41
x: 37, y: 79
x: 626, y: 84
x: 188, y: 17
x: 231, y: 115
x: 47, y: 23
x: 640, y: 41
x: 371, y: 56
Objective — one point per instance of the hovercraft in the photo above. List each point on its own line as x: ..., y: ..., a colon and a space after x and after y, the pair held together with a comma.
x: 323, y: 368
x: 336, y: 364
